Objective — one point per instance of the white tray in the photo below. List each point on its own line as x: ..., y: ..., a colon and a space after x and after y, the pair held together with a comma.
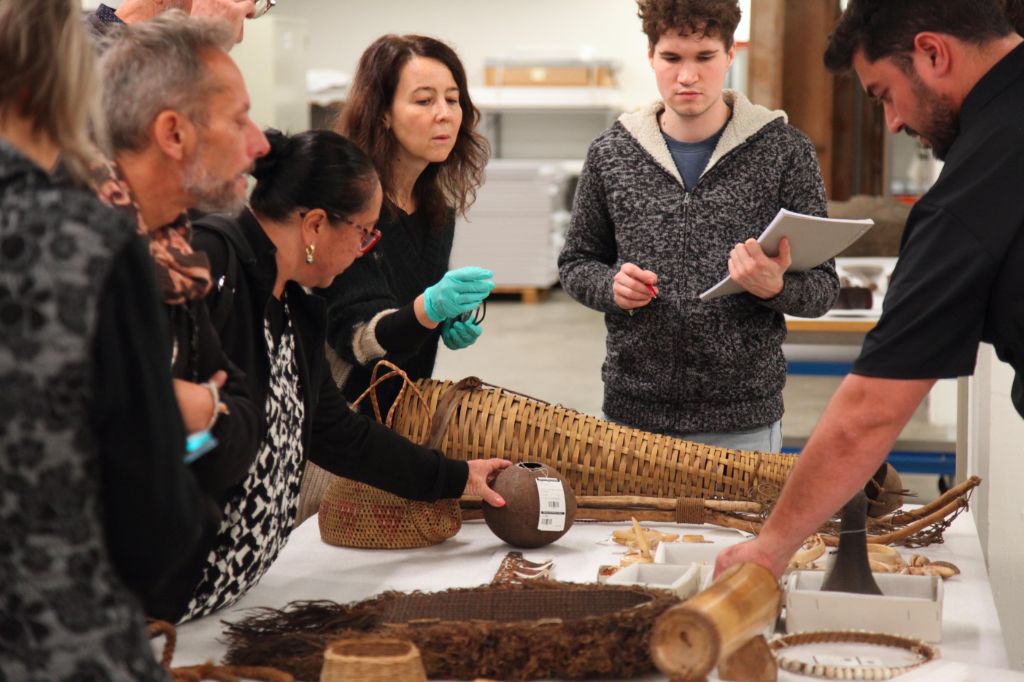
x: 910, y: 605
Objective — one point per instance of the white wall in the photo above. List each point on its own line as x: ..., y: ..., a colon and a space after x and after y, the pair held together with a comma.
x: 341, y: 30
x: 995, y: 451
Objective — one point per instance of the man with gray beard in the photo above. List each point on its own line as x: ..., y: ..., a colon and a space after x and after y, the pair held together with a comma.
x: 178, y: 121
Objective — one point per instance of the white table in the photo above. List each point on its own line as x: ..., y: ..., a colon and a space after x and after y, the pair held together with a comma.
x: 971, y: 649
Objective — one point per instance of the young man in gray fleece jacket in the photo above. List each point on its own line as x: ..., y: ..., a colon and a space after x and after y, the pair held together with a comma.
x: 671, y: 199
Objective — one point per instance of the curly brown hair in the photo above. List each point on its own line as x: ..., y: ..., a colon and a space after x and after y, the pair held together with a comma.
x: 441, y: 187
x: 712, y: 18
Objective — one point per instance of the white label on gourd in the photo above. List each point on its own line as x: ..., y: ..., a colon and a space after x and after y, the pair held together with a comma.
x: 552, y: 504
x: 849, y: 661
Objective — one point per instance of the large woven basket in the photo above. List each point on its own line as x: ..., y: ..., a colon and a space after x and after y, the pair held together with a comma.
x: 596, y: 457
x: 535, y: 630
x: 354, y: 514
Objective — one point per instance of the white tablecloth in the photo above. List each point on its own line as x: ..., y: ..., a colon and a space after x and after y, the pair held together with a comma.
x: 971, y: 649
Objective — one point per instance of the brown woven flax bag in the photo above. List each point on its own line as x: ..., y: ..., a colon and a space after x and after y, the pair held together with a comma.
x: 354, y: 514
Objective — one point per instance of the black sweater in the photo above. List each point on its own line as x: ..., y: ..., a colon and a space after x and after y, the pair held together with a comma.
x: 410, y: 257
x: 335, y: 438
x: 196, y: 356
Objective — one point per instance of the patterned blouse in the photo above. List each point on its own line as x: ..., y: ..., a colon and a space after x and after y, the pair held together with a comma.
x: 259, y: 517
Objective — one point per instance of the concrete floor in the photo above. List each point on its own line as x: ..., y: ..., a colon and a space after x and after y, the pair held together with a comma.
x: 553, y: 351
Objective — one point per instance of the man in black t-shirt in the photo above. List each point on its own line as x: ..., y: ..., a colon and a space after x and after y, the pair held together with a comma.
x: 950, y: 72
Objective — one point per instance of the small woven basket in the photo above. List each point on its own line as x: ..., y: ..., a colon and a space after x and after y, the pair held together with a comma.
x: 354, y: 514
x: 372, y: 660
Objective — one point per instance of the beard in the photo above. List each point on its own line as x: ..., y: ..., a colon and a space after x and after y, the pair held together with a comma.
x: 207, y: 193
x: 941, y: 124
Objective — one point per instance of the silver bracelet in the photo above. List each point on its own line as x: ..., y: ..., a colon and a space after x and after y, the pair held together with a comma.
x: 218, y: 407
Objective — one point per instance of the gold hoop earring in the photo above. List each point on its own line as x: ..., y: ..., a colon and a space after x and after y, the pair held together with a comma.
x: 310, y: 251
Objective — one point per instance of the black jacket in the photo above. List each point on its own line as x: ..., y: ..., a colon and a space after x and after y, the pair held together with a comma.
x: 196, y: 356
x: 345, y: 443
x: 333, y: 436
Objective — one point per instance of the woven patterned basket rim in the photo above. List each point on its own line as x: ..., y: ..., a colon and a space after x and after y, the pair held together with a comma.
x: 463, y: 606
x: 384, y: 649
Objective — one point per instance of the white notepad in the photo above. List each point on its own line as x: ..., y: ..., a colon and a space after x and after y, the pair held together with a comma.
x: 812, y: 241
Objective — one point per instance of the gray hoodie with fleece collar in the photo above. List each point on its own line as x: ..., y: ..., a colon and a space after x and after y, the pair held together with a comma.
x: 679, y: 365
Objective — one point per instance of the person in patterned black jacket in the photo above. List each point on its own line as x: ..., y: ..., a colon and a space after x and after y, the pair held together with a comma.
x: 95, y: 501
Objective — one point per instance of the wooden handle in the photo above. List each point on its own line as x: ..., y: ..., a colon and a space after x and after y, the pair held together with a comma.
x: 690, y: 639
x: 659, y: 503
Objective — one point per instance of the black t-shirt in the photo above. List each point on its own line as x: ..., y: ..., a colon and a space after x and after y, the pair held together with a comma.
x: 960, y: 275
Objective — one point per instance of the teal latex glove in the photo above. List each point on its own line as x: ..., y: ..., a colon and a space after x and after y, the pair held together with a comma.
x: 458, y: 292
x: 457, y: 334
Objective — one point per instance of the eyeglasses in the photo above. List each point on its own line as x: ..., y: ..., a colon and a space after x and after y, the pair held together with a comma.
x: 262, y: 7
x: 370, y: 235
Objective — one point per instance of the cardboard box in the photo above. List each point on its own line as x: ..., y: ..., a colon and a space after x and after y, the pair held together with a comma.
x: 549, y: 74
x: 910, y: 605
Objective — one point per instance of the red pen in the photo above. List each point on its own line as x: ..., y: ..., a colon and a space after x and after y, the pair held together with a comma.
x: 651, y: 289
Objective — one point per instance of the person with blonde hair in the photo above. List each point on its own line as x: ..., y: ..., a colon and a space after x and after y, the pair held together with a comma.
x: 95, y: 502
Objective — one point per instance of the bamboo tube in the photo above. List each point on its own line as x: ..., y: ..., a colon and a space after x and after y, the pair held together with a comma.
x: 690, y: 639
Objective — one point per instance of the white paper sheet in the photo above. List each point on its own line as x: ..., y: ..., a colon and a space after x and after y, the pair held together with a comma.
x: 812, y: 241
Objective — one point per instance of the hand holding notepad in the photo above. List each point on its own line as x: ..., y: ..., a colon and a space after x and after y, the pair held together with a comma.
x: 812, y: 241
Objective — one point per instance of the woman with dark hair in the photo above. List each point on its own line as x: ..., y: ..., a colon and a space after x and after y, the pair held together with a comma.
x: 313, y: 211
x: 95, y: 501
x: 409, y: 109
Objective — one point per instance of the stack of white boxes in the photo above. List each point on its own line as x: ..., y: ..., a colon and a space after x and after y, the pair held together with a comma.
x: 516, y: 227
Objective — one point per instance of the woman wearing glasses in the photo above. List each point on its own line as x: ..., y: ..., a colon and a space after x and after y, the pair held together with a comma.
x: 409, y: 110
x: 313, y: 211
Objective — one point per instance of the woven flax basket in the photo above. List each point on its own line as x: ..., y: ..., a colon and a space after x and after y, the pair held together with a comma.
x: 354, y: 514
x: 596, y: 457
x: 373, y: 659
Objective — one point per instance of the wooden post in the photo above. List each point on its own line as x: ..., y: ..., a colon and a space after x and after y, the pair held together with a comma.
x: 807, y: 86
x: 767, y: 36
